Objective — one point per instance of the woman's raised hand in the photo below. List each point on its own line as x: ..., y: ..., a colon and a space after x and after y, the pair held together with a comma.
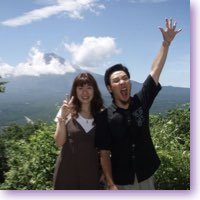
x: 67, y: 107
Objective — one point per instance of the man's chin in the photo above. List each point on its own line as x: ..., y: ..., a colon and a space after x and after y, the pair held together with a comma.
x: 125, y: 102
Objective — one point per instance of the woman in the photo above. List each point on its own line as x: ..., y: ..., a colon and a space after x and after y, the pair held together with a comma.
x: 77, y: 166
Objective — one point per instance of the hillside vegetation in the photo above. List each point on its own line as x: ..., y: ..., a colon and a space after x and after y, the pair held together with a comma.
x: 28, y: 153
x: 39, y: 97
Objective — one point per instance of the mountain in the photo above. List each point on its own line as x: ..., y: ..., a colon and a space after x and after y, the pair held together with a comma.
x: 49, y: 56
x: 29, y: 97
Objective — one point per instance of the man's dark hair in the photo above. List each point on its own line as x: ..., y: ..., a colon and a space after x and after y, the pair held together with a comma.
x: 114, y: 68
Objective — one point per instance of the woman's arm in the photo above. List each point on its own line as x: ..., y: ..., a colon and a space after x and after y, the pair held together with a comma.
x: 60, y: 135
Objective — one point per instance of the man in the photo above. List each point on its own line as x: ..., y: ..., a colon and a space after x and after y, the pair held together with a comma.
x: 128, y: 156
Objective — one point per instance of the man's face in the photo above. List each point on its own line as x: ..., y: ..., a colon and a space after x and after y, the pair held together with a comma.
x: 120, y: 87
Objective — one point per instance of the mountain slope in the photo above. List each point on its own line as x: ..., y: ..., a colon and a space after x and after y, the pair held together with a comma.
x: 39, y: 97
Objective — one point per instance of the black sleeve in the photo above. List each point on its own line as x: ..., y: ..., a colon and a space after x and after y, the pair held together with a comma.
x: 102, y: 134
x: 148, y: 92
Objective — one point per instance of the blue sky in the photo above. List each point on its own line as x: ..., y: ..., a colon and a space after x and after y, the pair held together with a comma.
x: 93, y: 35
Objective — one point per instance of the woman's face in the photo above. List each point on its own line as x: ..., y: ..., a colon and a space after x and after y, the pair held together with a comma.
x: 85, y: 93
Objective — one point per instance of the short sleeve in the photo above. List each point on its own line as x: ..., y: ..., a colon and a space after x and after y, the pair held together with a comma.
x: 148, y: 92
x: 59, y: 115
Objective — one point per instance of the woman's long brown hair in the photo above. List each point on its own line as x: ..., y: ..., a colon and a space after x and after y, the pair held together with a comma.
x: 97, y: 101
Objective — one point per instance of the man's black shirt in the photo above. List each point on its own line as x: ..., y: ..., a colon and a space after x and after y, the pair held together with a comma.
x: 125, y: 132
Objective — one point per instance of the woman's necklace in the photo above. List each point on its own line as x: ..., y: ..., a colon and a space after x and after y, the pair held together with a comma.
x: 86, y: 115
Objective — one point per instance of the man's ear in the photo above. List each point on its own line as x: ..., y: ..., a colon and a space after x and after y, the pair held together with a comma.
x: 109, y: 88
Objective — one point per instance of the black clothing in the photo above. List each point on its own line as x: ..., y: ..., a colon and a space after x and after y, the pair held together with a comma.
x: 125, y: 132
x: 77, y: 166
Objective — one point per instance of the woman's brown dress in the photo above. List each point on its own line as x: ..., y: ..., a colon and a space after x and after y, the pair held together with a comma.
x: 77, y: 166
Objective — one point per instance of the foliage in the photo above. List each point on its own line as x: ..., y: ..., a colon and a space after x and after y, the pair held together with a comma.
x: 11, y: 133
x: 2, y: 86
x: 28, y: 153
x: 31, y: 160
x: 171, y: 136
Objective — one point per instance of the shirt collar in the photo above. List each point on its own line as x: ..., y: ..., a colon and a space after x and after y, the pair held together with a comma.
x: 114, y: 107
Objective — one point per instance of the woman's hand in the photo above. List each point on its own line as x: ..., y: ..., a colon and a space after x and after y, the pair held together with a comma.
x: 67, y: 107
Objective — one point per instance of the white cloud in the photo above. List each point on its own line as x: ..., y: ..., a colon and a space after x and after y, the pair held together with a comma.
x: 36, y: 66
x: 73, y: 8
x: 5, y: 69
x: 93, y: 52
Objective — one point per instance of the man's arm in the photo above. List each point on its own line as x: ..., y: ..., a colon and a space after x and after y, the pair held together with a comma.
x: 168, y: 35
x: 107, y: 170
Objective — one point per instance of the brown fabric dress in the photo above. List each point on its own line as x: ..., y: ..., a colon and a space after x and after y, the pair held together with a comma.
x: 77, y: 166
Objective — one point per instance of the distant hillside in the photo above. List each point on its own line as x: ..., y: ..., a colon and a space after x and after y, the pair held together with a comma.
x: 39, y: 97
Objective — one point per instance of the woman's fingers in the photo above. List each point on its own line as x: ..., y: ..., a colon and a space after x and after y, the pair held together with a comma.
x: 67, y: 106
x: 71, y: 100
x: 68, y: 101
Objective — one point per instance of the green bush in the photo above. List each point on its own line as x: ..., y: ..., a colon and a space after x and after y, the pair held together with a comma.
x: 171, y: 136
x: 28, y: 153
x: 8, y: 136
x: 31, y: 163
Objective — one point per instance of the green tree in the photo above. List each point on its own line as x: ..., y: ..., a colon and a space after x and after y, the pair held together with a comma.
x: 171, y: 136
x: 2, y: 85
x: 28, y: 153
x: 31, y: 163
x: 10, y: 138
